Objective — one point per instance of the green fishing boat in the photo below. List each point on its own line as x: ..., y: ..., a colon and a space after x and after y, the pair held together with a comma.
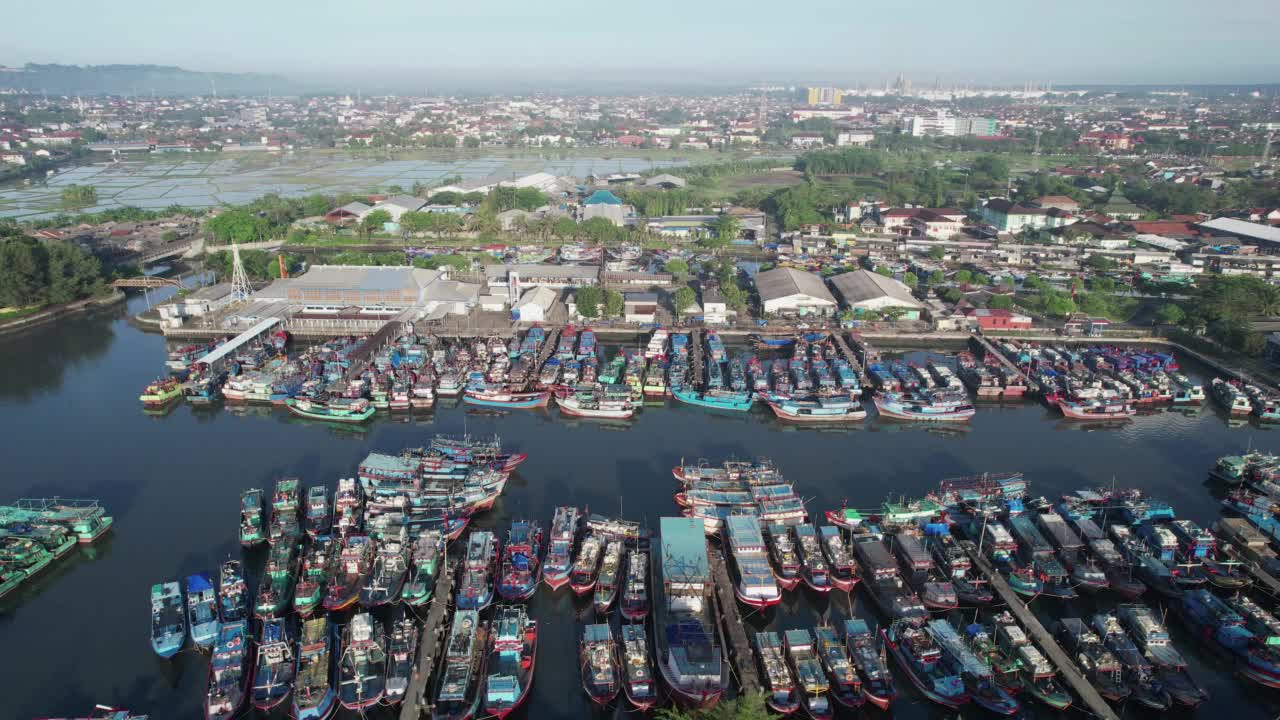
x: 345, y: 410
x: 160, y: 393
x: 428, y: 553
x: 56, y: 539
x: 10, y: 578
x: 276, y: 588
x: 24, y: 554
x: 252, y: 531
x: 611, y: 374
x: 309, y: 592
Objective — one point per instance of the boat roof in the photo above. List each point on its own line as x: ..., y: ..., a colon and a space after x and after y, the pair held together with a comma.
x: 744, y: 531
x: 198, y: 583
x: 799, y: 638
x: 946, y: 636
x: 682, y: 549
x: 598, y: 632
x: 856, y: 626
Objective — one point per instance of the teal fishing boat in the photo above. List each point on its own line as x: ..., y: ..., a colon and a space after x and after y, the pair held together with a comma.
x: 168, y: 626
x: 428, y: 553
x: 714, y: 399
x: 277, y: 586
x: 344, y: 410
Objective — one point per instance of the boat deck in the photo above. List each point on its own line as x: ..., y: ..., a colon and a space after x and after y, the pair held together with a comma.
x: 1066, y: 668
x: 415, y: 700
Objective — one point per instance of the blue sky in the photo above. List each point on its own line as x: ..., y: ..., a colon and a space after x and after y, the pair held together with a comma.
x: 1080, y: 41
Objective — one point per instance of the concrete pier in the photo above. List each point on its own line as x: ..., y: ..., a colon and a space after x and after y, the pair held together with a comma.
x: 1067, y: 669
x: 737, y: 645
x: 415, y: 698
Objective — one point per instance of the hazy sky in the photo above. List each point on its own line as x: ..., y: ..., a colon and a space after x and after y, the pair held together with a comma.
x: 1079, y: 41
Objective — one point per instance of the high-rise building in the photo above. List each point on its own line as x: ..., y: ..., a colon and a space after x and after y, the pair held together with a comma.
x: 825, y: 96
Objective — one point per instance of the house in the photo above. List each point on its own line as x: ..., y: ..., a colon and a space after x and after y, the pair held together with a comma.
x: 605, y: 204
x: 198, y: 303
x: 1094, y: 327
x: 854, y: 137
x: 640, y: 307
x: 350, y: 212
x: 864, y: 291
x: 1007, y: 216
x: 555, y: 276
x: 940, y: 224
x: 665, y: 181
x: 396, y: 205
x: 788, y: 291
x: 805, y: 140
x: 1062, y: 202
x: 996, y: 319
x: 515, y: 217
x: 535, y: 305
x: 715, y: 311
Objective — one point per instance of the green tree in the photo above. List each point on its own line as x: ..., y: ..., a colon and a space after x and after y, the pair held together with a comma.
x: 884, y: 270
x: 600, y: 230
x: 1171, y: 314
x: 614, y: 303
x: 237, y: 226
x: 676, y: 266
x: 734, y: 296
x: 588, y: 299
x: 564, y: 227
x: 936, y: 278
x: 1101, y: 263
x: 75, y: 197
x: 726, y: 228
x: 1059, y: 305
x: 937, y: 253
x: 374, y: 221
x: 963, y: 277
x: 1001, y: 302
x: 416, y: 222
x: 682, y: 299
x: 23, y: 273
x: 911, y: 280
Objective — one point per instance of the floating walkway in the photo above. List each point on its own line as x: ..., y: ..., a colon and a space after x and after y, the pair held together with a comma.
x: 415, y: 697
x: 1066, y: 668
x: 699, y: 380
x: 229, y: 348
x: 735, y: 633
x: 979, y: 342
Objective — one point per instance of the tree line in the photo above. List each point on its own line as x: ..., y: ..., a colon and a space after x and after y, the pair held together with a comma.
x: 33, y: 273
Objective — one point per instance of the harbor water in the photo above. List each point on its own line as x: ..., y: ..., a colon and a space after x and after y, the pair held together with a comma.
x: 78, y: 634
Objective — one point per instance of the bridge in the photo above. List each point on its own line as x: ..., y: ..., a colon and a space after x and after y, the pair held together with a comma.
x: 146, y: 282
x: 171, y: 250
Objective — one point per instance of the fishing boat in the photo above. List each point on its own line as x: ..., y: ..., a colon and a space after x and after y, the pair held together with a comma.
x: 1102, y: 551
x: 655, y: 379
x: 1170, y: 667
x: 284, y: 526
x: 1096, y: 409
x: 754, y: 582
x: 1230, y: 397
x: 598, y: 660
x: 883, y: 580
x: 837, y: 409
x: 606, y: 591
x: 901, y: 406
x: 779, y: 683
x: 1263, y: 658
x: 342, y: 410
x: 461, y: 679
x: 402, y: 656
x: 978, y: 678
x: 1038, y: 677
x: 814, y: 568
x: 252, y: 525
x: 918, y: 655
x: 1197, y: 545
x: 521, y: 565
x: 1144, y: 687
x: 319, y: 519
x: 1215, y: 622
x: 810, y: 677
x: 935, y: 590
x: 1038, y: 554
x: 233, y: 593
x: 845, y: 685
x: 308, y: 593
x: 507, y: 400
x: 657, y: 345
x: 688, y: 651
x: 844, y: 574
x: 386, y: 578
x: 635, y: 594
x: 1099, y: 665
x: 168, y: 621
x: 275, y: 591
x: 1086, y: 574
x: 714, y: 399
x: 867, y: 654
x: 476, y: 581
x: 274, y: 672
x: 605, y: 404
x: 428, y: 555
x: 513, y: 653
x: 314, y: 694
x: 970, y: 587
x: 160, y: 393
x: 354, y: 563
x: 362, y: 668
x: 228, y: 685
x: 586, y: 566
x: 783, y: 555
x: 564, y: 534
x: 202, y: 610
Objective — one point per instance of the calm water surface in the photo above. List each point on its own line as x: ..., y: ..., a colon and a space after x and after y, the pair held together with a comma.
x: 72, y: 426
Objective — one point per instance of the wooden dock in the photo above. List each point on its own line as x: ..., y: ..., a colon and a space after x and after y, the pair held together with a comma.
x: 737, y: 645
x: 862, y: 350
x: 1043, y: 638
x: 544, y: 353
x: 433, y: 629
x: 1252, y: 549
x: 699, y: 379
x: 979, y: 342
x: 850, y: 357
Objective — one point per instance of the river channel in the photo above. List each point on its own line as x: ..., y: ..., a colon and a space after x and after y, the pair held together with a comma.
x: 72, y: 426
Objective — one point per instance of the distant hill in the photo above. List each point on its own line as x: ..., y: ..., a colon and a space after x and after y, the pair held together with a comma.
x: 136, y: 79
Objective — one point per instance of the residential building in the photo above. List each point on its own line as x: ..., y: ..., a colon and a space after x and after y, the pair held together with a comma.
x: 1007, y: 216
x: 640, y: 307
x: 534, y: 305
x: 665, y: 181
x: 996, y: 319
x: 715, y: 311
x: 523, y: 275
x: 864, y: 291
x: 854, y: 137
x: 396, y: 205
x: 351, y: 212
x: 824, y: 96
x: 1061, y: 202
x: 605, y: 204
x: 788, y: 291
x: 807, y: 139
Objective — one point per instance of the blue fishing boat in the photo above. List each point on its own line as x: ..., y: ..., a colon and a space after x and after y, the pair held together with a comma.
x: 715, y: 347
x: 513, y: 653
x: 586, y: 344
x: 233, y: 593
x: 274, y: 672
x: 228, y: 672
x: 822, y: 410
x: 459, y: 681
x: 919, y: 656
x: 168, y: 624
x: 978, y: 678
x: 688, y: 650
x: 476, y: 582
x: 1215, y: 622
x: 924, y: 407
x: 315, y: 695
x: 202, y: 610
x: 714, y: 399
x: 521, y: 561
